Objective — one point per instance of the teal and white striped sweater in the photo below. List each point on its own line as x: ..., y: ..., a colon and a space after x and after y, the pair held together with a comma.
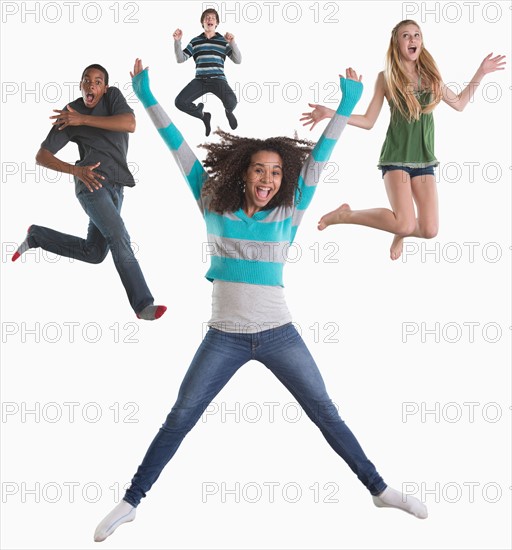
x: 244, y: 249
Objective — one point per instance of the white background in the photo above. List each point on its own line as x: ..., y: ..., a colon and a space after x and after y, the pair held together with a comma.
x: 69, y: 335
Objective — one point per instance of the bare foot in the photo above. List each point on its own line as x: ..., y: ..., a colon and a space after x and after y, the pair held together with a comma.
x: 336, y: 216
x: 396, y: 247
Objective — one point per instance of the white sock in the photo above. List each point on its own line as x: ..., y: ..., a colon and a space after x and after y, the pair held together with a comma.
x: 391, y: 498
x: 122, y: 513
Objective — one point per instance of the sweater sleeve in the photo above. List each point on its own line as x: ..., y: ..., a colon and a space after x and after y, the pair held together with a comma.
x: 181, y: 55
x: 235, y: 54
x: 189, y: 164
x: 312, y: 168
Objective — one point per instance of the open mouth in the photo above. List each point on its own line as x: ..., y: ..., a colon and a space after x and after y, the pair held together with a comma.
x: 89, y: 98
x: 412, y: 49
x: 262, y: 192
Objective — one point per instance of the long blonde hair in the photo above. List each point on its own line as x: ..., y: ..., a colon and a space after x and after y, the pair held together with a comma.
x: 397, y: 82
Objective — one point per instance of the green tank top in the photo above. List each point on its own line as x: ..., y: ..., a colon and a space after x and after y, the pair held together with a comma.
x: 410, y: 143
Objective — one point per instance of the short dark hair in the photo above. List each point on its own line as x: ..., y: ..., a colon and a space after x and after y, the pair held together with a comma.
x: 98, y: 68
x: 207, y: 12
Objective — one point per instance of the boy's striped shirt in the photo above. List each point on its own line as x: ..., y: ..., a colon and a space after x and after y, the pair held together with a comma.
x: 209, y: 55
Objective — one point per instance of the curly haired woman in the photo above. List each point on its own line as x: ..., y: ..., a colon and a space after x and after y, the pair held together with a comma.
x: 253, y: 199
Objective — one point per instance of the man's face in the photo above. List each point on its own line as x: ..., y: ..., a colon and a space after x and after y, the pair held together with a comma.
x: 93, y: 87
x: 210, y: 22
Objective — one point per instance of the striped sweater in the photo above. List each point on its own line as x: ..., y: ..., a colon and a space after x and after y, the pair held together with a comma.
x: 249, y: 249
x: 209, y: 54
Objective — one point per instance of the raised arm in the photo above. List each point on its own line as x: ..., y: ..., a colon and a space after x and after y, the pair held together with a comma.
x: 235, y: 54
x: 351, y: 88
x: 459, y: 101
x: 181, y: 55
x: 188, y: 163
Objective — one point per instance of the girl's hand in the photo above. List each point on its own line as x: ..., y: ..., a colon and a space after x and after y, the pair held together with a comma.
x: 318, y: 113
x: 491, y: 64
x: 137, y: 67
x: 352, y: 75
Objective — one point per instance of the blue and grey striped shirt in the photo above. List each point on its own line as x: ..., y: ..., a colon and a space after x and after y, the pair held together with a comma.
x: 209, y: 54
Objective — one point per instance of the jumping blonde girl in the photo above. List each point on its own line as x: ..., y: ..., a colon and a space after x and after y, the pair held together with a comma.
x: 412, y: 85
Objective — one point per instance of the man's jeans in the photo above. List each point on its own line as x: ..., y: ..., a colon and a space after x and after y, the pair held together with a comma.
x: 219, y: 356
x: 200, y: 86
x: 106, y: 232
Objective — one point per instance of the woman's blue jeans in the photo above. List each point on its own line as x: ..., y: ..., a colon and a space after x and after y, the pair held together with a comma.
x: 106, y: 232
x: 219, y: 356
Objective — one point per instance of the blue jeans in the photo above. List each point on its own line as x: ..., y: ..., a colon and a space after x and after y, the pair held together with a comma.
x: 219, y: 356
x: 106, y: 232
x: 200, y: 86
x: 413, y: 172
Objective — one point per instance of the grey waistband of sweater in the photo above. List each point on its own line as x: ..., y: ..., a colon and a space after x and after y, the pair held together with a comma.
x: 247, y: 309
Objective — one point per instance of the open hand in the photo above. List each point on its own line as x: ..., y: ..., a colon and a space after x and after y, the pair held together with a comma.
x: 350, y: 74
x: 89, y: 176
x: 491, y: 64
x: 67, y: 118
x: 318, y: 113
x: 137, y: 67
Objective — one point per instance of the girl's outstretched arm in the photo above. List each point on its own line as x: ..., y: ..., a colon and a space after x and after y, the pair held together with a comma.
x: 188, y: 163
x: 459, y: 101
x: 365, y: 121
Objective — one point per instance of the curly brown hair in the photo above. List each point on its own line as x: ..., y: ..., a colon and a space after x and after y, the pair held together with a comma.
x: 227, y: 161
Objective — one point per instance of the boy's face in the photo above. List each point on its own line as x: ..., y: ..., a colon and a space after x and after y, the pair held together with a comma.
x: 210, y: 22
x: 93, y: 87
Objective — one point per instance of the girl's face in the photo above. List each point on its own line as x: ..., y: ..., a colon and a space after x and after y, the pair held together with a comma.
x: 409, y: 42
x: 262, y: 180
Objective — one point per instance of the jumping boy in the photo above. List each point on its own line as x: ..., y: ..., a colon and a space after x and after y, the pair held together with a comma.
x: 99, y: 123
x: 209, y: 51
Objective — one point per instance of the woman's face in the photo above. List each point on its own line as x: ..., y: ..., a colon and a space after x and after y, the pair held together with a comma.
x: 262, y: 180
x: 409, y: 42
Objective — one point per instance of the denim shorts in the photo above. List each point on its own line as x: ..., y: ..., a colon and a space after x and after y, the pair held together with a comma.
x: 413, y: 172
